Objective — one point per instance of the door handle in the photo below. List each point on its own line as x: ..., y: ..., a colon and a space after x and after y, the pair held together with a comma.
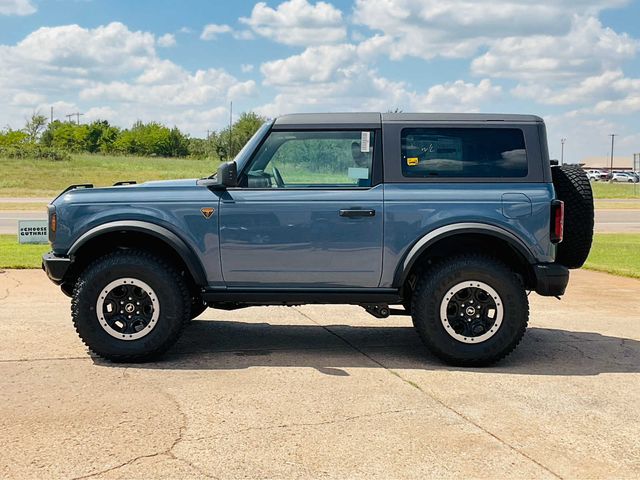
x: 357, y: 212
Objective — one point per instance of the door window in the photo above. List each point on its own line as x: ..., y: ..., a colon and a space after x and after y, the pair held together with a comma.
x: 313, y: 159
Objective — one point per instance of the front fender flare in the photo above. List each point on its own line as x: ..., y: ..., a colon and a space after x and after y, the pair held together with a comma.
x: 187, y: 255
x: 457, y: 229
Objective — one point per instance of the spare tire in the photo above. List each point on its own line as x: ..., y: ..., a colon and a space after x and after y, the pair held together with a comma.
x: 574, y: 189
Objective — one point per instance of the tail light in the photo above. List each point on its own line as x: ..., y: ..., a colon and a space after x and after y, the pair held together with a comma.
x: 557, y: 221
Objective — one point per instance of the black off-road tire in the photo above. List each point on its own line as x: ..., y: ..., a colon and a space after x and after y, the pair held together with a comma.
x: 430, y: 292
x: 573, y: 187
x: 166, y: 282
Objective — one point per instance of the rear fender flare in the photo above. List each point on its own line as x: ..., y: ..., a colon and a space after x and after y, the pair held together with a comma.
x: 438, y: 234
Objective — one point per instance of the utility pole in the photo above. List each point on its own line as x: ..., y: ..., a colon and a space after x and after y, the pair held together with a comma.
x: 230, y: 128
x: 51, y: 121
x: 562, y: 140
x: 77, y: 115
x: 612, y: 135
x: 207, y: 134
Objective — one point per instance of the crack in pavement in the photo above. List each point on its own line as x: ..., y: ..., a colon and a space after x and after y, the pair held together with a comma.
x: 168, y: 452
x: 436, y: 399
x: 8, y: 290
x: 304, y: 424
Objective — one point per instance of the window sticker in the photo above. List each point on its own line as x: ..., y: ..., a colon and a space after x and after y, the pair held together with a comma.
x: 365, y: 140
x: 358, y: 173
x: 412, y: 161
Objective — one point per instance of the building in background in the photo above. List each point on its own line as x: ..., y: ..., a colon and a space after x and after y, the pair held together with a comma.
x: 622, y: 162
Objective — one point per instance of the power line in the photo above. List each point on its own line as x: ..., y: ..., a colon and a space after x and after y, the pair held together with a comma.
x: 77, y: 114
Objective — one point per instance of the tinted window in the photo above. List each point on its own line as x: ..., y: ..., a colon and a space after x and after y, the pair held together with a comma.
x: 313, y: 159
x: 463, y: 152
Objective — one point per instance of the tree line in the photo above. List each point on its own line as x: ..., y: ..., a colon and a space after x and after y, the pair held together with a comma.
x: 57, y: 140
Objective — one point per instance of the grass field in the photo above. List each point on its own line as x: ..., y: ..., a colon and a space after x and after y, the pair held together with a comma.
x: 43, y: 178
x: 615, y: 190
x: 616, y: 253
x: 14, y: 255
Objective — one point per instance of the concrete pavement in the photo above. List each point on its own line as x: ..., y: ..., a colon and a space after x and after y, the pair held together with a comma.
x: 322, y: 391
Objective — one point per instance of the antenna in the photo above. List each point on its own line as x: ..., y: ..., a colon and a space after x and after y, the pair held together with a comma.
x: 230, y: 128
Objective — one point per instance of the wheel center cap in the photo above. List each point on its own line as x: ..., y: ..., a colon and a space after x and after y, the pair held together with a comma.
x: 471, y: 311
x: 130, y: 307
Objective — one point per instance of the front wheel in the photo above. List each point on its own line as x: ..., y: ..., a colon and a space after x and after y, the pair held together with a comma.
x: 470, y: 310
x: 130, y: 306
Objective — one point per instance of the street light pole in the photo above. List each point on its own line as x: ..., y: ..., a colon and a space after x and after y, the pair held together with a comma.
x: 562, y: 140
x: 612, y: 135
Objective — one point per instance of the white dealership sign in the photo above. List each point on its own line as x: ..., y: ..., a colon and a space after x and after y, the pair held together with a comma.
x: 33, y: 231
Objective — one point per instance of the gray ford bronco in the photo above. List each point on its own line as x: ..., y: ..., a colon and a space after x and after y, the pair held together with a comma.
x: 451, y: 218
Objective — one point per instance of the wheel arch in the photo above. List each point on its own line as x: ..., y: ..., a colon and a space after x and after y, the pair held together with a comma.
x: 451, y: 239
x: 141, y: 234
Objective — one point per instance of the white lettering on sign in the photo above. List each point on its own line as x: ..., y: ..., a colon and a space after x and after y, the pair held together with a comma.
x: 33, y: 231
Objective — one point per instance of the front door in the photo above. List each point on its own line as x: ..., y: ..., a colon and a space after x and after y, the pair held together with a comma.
x: 307, y: 214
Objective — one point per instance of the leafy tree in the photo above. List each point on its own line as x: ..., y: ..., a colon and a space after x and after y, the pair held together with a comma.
x: 228, y: 146
x: 35, y: 125
x: 13, y: 138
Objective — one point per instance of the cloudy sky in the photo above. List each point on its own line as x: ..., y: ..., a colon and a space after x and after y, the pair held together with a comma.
x: 574, y: 62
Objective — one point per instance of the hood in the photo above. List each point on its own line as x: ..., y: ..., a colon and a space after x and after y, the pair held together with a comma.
x: 184, y: 182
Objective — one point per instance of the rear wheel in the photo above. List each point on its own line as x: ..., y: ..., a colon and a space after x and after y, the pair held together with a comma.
x: 470, y: 310
x: 130, y: 306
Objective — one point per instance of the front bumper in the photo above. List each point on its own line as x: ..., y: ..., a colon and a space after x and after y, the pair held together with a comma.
x: 551, y: 279
x: 55, y: 267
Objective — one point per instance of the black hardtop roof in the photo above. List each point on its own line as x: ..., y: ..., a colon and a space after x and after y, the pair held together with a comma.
x: 373, y: 120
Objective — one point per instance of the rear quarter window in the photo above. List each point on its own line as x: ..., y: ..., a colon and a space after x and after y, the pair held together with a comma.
x: 463, y: 152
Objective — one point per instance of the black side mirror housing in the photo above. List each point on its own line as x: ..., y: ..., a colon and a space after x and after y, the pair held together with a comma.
x: 227, y: 175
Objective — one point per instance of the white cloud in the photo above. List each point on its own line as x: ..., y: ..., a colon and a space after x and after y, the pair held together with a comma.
x: 298, y: 22
x: 338, y: 77
x: 587, y: 48
x: 27, y: 99
x: 17, y: 7
x: 211, y: 31
x: 457, y: 96
x: 109, y: 72
x: 167, y: 40
x: 459, y: 28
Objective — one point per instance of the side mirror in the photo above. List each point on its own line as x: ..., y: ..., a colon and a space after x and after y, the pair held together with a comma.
x: 227, y: 174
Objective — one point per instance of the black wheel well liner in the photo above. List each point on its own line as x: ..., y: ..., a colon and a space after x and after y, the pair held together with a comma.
x: 467, y: 238
x: 137, y: 234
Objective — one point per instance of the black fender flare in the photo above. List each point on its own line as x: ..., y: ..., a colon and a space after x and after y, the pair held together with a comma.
x: 440, y: 233
x: 187, y: 255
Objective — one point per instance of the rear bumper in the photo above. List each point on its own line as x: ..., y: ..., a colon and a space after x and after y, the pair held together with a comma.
x: 551, y: 279
x: 55, y: 267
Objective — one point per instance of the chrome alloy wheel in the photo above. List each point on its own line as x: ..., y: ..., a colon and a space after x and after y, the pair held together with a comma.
x: 471, y: 312
x: 127, y: 309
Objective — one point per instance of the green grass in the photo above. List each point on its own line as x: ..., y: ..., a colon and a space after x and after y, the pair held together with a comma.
x: 14, y: 255
x: 615, y: 190
x: 45, y: 178
x: 616, y: 253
